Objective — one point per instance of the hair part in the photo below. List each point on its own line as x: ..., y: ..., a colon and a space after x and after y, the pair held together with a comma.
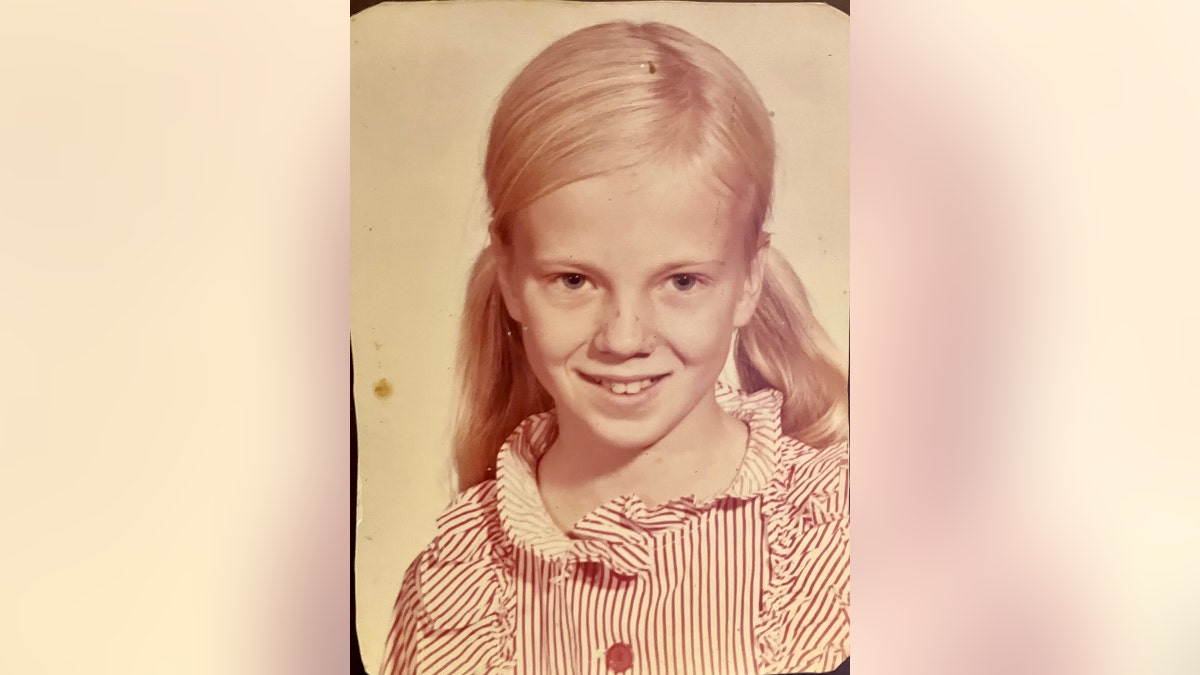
x: 604, y: 99
x: 619, y: 95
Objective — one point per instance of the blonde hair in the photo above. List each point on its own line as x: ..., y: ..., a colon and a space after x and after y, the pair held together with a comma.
x: 611, y: 97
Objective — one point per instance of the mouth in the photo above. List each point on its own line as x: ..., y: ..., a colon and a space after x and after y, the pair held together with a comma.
x: 624, y: 386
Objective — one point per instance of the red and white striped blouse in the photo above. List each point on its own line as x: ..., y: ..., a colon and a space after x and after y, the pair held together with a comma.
x: 754, y: 580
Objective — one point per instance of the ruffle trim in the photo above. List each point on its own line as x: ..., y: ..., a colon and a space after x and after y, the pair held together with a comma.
x: 804, y: 619
x: 622, y: 534
x: 468, y: 590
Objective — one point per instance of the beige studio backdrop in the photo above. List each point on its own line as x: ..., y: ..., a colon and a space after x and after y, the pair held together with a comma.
x: 425, y: 78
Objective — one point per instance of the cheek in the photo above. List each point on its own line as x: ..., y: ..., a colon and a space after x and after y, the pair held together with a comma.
x: 555, y: 334
x: 698, y: 333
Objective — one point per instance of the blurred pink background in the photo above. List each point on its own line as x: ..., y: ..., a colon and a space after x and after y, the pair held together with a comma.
x: 173, y: 476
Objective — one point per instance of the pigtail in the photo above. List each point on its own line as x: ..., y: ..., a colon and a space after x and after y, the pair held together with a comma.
x: 604, y: 99
x: 785, y: 348
x: 496, y: 388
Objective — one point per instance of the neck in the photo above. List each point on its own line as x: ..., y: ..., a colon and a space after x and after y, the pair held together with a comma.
x: 700, y: 456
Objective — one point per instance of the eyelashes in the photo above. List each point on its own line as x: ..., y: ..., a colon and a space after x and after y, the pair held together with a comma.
x: 573, y: 281
x: 684, y: 282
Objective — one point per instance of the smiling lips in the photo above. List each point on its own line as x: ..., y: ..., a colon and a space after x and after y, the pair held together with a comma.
x: 625, y: 386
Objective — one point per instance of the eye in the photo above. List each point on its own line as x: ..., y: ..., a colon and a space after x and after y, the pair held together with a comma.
x: 684, y: 282
x: 572, y: 281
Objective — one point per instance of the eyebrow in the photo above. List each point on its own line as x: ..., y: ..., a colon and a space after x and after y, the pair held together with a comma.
x: 591, y: 269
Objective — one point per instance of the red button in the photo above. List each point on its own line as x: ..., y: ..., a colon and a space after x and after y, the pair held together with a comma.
x: 619, y: 657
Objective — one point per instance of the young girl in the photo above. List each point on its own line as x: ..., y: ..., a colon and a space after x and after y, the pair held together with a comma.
x: 620, y: 510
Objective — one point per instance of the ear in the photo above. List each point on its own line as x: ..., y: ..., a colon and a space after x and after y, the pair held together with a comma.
x: 504, y: 279
x: 752, y: 288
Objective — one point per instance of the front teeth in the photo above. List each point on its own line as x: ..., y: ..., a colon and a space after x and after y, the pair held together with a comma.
x: 628, y: 388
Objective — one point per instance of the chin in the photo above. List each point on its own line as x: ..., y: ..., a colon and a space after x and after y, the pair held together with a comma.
x: 627, y: 435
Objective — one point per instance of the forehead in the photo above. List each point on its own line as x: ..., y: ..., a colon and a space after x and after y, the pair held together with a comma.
x: 632, y: 215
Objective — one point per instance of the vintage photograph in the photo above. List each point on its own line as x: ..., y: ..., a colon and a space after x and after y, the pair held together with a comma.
x: 599, y: 316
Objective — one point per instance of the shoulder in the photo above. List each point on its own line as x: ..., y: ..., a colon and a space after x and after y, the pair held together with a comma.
x: 469, y: 552
x: 809, y: 461
x: 468, y: 529
x: 810, y: 486
x: 805, y: 472
x: 474, y: 508
x: 459, y: 590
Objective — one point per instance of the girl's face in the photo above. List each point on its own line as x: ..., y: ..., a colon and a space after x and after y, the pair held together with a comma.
x: 630, y: 287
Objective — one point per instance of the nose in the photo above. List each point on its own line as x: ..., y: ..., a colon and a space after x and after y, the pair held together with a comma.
x: 627, y: 329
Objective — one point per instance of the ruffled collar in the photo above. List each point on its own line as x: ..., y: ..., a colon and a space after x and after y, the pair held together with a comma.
x: 621, y: 533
